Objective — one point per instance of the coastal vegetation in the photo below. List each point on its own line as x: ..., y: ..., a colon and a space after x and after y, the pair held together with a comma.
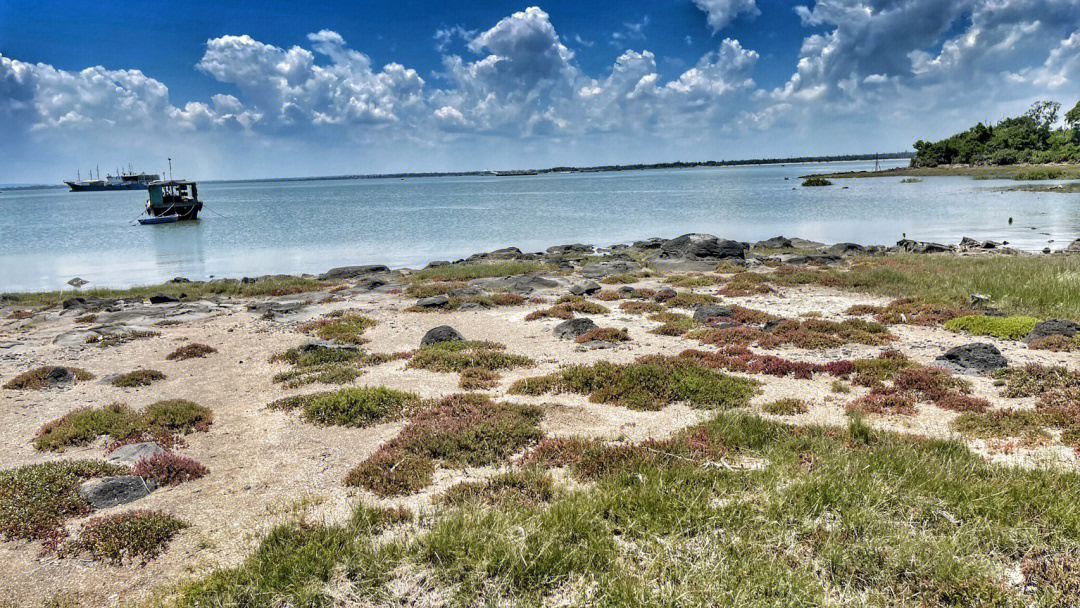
x: 1028, y: 139
x: 163, y: 420
x: 816, y: 181
x: 40, y: 377
x: 125, y: 537
x: 183, y: 290
x: 664, y: 522
x: 353, y: 406
x: 137, y: 378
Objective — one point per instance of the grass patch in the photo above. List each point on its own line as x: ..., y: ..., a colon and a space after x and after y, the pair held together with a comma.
x: 117, y: 339
x: 483, y: 270
x: 672, y: 323
x: 36, y: 499
x: 531, y: 487
x: 785, y: 407
x: 691, y: 300
x: 353, y: 406
x: 567, y: 307
x: 347, y: 328
x: 1057, y: 344
x: 1033, y: 379
x: 326, y: 365
x: 603, y: 334
x: 746, y: 284
x: 1006, y: 328
x: 462, y: 430
x: 119, y: 422
x: 694, y: 280
x: 39, y: 377
x: 126, y: 537
x: 652, y: 383
x: 476, y: 362
x: 137, y: 378
x: 800, y: 333
x: 194, y: 350
x: 483, y: 301
x: 636, y: 307
x: 627, y: 278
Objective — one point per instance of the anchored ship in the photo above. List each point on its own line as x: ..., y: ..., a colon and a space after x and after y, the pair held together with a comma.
x: 122, y: 180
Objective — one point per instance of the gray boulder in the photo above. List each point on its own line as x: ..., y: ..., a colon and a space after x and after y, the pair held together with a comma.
x: 711, y: 311
x: 112, y: 491
x: 806, y: 244
x: 134, y: 452
x: 439, y: 301
x: 598, y: 270
x: 442, y: 333
x: 352, y: 272
x: 777, y: 242
x: 975, y: 358
x: 845, y: 249
x: 697, y: 252
x: 649, y: 244
x: 521, y: 284
x: 1074, y: 247
x: 1053, y: 327
x: 585, y: 289
x: 569, y: 330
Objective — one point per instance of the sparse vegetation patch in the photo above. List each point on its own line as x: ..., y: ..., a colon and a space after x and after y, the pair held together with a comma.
x: 133, y: 536
x: 119, y: 422
x: 353, y: 406
x: 136, y: 378
x: 41, y: 377
x: 194, y: 350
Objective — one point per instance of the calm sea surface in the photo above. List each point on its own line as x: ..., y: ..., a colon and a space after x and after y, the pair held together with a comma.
x: 247, y: 229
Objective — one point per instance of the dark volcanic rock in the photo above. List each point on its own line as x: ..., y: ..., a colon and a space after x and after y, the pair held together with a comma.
x: 711, y: 311
x: 1074, y: 247
x: 585, y: 289
x: 697, y: 252
x: 846, y: 249
x: 977, y: 358
x: 442, y: 333
x: 70, y: 303
x: 162, y: 298
x: 652, y: 244
x: 777, y: 242
x: 318, y: 345
x: 112, y: 491
x: 438, y: 301
x: 59, y: 375
x: 569, y: 330
x: 1053, y: 327
x: 910, y: 246
x: 352, y: 272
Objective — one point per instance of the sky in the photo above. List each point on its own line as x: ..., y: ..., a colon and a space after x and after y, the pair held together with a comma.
x: 275, y: 89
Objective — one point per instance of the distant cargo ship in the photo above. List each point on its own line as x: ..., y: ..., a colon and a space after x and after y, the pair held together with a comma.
x: 123, y: 180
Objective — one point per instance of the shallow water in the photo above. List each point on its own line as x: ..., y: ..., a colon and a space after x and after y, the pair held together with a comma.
x: 50, y: 236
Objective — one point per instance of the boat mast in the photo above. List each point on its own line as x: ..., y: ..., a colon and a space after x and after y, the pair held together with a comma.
x: 170, y: 169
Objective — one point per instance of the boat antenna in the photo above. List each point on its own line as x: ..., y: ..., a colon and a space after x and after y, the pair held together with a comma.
x: 78, y: 175
x: 99, y: 171
x: 170, y: 169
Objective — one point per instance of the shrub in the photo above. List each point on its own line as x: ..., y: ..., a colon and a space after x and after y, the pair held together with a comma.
x: 636, y: 307
x: 691, y: 281
x: 348, y: 328
x: 136, y: 378
x: 326, y: 365
x: 1058, y: 344
x: 36, y: 499
x: 476, y: 361
x: 354, y: 406
x: 621, y: 279
x: 1034, y: 379
x: 168, y: 469
x: 786, y: 407
x: 603, y: 334
x: 816, y: 181
x: 462, y: 430
x: 191, y: 351
x: 691, y: 300
x: 38, y: 377
x: 476, y: 378
x: 1006, y: 328
x: 135, y: 535
x: 911, y: 312
x: 120, y: 422
x: 651, y: 383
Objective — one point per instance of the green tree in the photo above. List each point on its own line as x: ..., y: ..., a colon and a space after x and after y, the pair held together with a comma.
x: 1072, y: 117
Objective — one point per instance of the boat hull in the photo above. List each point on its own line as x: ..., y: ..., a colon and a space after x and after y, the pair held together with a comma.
x: 180, y: 212
x: 77, y: 187
x: 164, y: 219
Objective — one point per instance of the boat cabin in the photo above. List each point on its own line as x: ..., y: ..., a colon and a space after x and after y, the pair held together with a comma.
x: 179, y: 198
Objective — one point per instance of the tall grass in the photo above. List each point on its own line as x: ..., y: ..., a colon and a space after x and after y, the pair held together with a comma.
x: 193, y: 290
x: 1037, y: 286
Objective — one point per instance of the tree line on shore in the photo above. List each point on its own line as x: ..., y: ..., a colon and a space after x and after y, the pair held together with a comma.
x: 1027, y: 139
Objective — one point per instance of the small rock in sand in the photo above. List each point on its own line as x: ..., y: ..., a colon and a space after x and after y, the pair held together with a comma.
x: 585, y: 289
x: 134, y: 452
x: 442, y: 333
x: 977, y: 358
x: 569, y: 330
x: 438, y: 301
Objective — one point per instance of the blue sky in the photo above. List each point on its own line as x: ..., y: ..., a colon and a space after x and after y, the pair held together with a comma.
x: 284, y: 88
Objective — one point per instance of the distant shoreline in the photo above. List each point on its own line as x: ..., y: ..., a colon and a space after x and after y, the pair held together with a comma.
x: 529, y: 172
x: 1016, y: 172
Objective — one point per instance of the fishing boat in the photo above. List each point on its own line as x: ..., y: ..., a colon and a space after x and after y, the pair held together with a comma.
x: 172, y: 201
x: 121, y: 180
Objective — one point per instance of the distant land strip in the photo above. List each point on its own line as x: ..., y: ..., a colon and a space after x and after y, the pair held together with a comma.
x: 522, y: 172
